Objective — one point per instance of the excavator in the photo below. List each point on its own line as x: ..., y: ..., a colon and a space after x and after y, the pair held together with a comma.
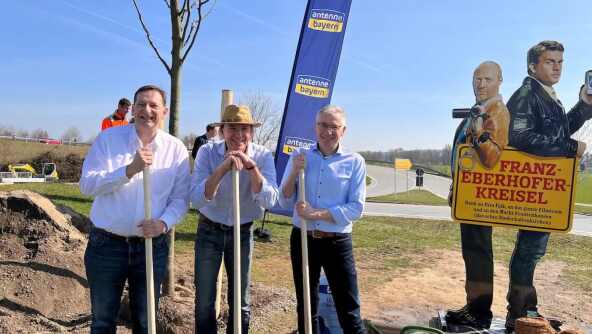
x: 25, y: 173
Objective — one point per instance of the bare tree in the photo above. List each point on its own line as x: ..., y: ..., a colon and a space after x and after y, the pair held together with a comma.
x: 186, y: 18
x: 189, y: 139
x: 22, y: 133
x: 39, y: 133
x: 265, y: 112
x: 72, y: 134
x: 7, y: 130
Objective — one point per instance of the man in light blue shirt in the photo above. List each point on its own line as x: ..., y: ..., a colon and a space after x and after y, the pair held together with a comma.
x: 335, y: 193
x: 211, y: 194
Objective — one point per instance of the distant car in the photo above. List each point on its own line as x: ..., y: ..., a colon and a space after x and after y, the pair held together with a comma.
x: 50, y: 141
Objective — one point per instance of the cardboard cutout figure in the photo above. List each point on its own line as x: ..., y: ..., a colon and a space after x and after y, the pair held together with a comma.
x: 520, y: 186
x: 486, y: 130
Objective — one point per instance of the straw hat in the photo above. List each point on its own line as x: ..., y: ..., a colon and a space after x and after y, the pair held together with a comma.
x: 240, y: 114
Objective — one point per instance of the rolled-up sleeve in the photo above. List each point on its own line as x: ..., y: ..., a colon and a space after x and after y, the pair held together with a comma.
x: 178, y: 201
x: 97, y: 178
x: 287, y: 202
x: 350, y: 211
x: 201, y: 172
x: 268, y: 195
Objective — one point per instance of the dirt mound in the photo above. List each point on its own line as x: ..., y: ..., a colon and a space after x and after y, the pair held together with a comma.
x: 42, y: 281
x: 43, y: 286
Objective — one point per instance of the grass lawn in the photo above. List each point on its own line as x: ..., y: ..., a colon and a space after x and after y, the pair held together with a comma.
x: 383, y: 243
x: 414, y: 196
x: 584, y: 189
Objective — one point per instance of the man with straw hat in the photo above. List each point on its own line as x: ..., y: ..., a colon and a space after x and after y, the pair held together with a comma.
x: 335, y: 186
x: 211, y: 193
x: 113, y: 174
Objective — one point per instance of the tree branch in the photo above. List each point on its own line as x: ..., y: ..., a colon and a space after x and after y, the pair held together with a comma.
x: 187, y: 17
x: 164, y: 63
x: 167, y: 3
x: 196, y: 24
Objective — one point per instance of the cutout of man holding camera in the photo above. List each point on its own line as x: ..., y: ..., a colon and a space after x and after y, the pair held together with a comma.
x: 486, y: 128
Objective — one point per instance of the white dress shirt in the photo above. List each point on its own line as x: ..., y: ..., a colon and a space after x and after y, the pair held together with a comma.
x: 220, y: 209
x: 118, y: 206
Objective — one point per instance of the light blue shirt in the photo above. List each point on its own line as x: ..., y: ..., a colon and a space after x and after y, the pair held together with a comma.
x: 336, y: 182
x: 220, y: 209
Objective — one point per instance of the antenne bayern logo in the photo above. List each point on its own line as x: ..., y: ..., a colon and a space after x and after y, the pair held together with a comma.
x: 292, y: 143
x: 326, y: 20
x: 312, y: 86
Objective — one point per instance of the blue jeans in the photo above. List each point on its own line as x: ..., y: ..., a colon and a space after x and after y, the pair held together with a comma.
x: 109, y: 262
x: 335, y: 255
x: 478, y: 255
x: 214, y: 243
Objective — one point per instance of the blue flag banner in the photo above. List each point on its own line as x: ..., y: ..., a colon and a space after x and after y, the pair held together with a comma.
x: 313, y: 76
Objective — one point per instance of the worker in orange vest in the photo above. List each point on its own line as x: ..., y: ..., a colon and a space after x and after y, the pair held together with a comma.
x: 118, y: 117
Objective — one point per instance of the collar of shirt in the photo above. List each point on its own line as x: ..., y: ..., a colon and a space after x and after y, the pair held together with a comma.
x: 340, y: 150
x: 549, y: 90
x: 491, y: 101
x: 134, y: 142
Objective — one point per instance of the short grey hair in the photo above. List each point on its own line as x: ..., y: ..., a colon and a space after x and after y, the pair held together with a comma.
x: 334, y: 110
x: 495, y: 65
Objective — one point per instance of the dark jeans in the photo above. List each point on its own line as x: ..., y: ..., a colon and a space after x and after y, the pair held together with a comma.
x: 214, y: 242
x: 478, y: 255
x: 335, y: 256
x: 109, y: 262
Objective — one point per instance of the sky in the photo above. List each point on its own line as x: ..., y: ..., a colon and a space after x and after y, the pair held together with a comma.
x: 404, y: 65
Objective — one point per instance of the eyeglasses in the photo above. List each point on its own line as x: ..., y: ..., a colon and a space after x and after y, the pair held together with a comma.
x: 329, y: 127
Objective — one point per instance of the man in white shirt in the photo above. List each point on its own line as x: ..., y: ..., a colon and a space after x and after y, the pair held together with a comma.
x: 112, y: 173
x: 211, y: 194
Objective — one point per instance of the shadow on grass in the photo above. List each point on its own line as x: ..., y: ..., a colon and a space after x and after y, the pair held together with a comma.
x: 68, y: 198
x: 185, y: 236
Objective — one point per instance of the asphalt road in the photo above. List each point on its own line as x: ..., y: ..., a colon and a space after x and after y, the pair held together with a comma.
x: 582, y: 224
x: 383, y: 184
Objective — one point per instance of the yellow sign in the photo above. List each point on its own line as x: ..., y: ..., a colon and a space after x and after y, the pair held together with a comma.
x: 521, y: 190
x: 404, y: 164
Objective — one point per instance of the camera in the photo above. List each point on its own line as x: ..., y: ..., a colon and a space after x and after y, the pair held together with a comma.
x: 589, y: 82
x: 474, y: 112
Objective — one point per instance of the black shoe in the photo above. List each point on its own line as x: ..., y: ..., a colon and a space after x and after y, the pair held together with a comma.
x: 467, y: 317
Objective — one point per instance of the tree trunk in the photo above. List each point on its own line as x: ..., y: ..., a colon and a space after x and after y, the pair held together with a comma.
x: 175, y: 108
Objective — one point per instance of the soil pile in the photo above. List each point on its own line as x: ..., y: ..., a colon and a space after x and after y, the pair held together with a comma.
x: 43, y: 287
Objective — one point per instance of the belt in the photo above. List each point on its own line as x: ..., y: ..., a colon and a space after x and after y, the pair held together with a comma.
x: 117, y: 237
x: 206, y: 221
x: 318, y: 234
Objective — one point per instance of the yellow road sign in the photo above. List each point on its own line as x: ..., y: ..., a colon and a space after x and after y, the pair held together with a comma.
x: 521, y: 190
x: 404, y: 164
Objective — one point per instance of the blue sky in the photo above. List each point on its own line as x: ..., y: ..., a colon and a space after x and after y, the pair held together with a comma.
x: 405, y: 64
